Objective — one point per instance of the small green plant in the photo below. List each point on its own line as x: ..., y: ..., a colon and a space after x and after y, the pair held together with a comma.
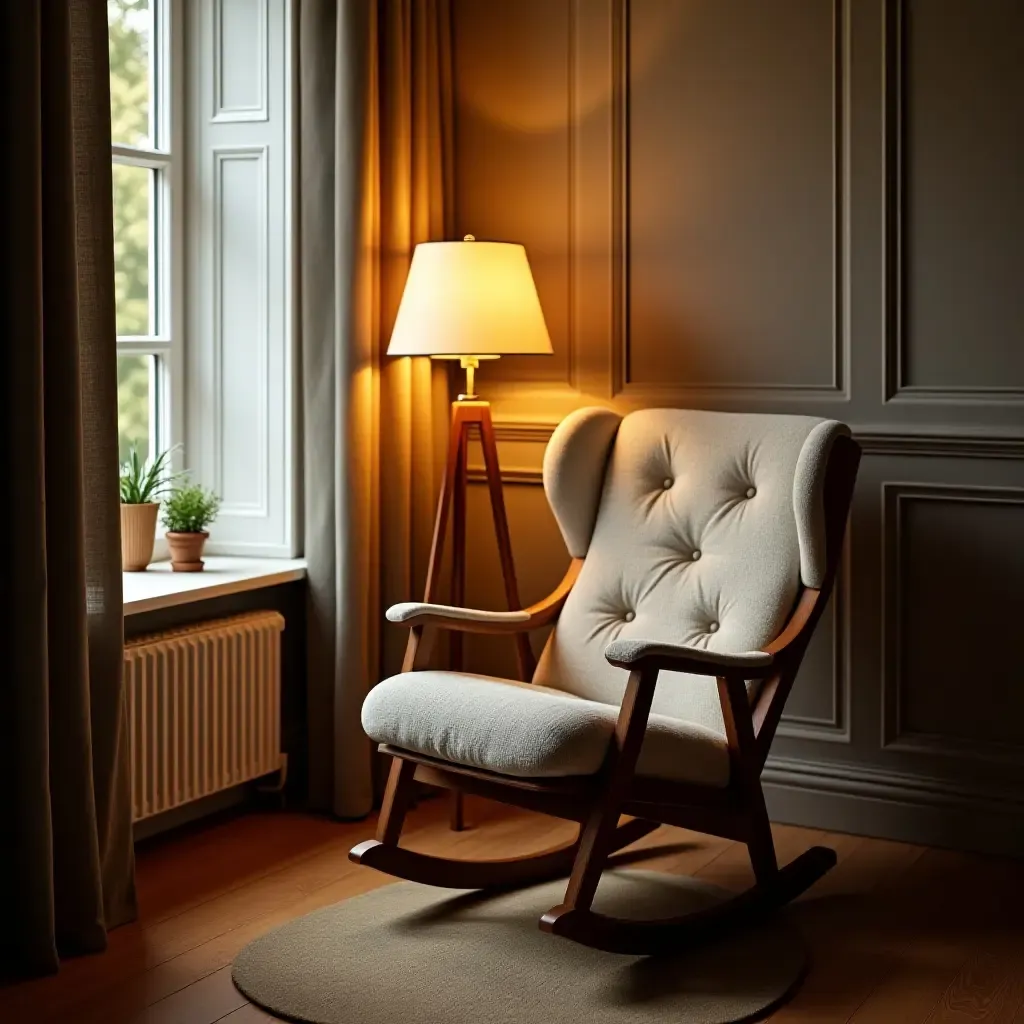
x: 145, y: 482
x: 190, y: 509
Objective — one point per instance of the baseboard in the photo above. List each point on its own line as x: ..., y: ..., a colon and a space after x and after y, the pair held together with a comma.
x: 190, y: 812
x: 892, y: 805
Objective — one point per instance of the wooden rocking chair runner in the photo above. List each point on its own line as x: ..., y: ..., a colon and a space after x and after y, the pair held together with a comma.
x: 704, y: 547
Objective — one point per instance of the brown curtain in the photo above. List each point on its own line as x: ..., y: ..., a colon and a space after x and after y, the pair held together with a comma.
x: 375, y: 101
x: 66, y: 867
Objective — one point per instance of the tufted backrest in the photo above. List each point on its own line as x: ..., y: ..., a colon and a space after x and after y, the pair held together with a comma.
x: 695, y: 528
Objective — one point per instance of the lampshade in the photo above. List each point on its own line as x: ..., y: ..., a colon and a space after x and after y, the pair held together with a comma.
x: 469, y: 298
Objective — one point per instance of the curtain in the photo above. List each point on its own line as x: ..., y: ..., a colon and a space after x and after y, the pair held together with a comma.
x: 375, y: 101
x: 66, y: 862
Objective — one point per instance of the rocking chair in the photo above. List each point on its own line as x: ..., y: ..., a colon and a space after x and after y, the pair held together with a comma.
x: 704, y: 546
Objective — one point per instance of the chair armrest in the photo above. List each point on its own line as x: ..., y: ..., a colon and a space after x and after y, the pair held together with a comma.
x: 472, y: 620
x: 630, y: 654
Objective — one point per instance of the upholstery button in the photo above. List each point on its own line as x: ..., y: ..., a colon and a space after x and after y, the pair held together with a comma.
x: 666, y: 483
x: 713, y: 627
x: 695, y: 556
x: 629, y: 616
x: 751, y: 491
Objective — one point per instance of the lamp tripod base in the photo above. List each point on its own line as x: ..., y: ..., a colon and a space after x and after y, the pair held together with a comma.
x: 469, y: 415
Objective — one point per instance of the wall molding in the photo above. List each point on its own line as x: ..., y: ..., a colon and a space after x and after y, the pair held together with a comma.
x: 524, y: 430
x: 862, y: 780
x: 896, y: 387
x: 915, y: 808
x: 620, y: 336
x: 511, y: 476
x: 874, y: 441
x: 941, y: 445
x: 894, y: 735
x: 257, y: 111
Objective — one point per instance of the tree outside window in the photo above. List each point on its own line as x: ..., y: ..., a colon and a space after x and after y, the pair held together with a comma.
x: 141, y: 163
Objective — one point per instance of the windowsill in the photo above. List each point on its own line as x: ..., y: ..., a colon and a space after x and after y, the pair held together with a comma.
x: 159, y: 587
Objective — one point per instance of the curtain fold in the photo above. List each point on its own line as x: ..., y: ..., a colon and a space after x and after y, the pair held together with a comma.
x: 374, y: 141
x: 66, y: 862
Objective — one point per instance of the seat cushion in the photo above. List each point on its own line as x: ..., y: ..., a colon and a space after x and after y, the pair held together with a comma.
x: 529, y: 731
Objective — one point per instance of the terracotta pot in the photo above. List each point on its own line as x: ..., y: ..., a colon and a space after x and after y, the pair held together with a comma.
x: 138, y: 531
x: 186, y: 549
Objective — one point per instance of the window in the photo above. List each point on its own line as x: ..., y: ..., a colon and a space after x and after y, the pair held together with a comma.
x: 140, y: 120
x: 200, y: 107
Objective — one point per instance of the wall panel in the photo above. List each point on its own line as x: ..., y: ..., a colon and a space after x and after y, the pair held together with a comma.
x: 803, y: 206
x: 954, y: 559
x: 956, y: 78
x: 731, y: 163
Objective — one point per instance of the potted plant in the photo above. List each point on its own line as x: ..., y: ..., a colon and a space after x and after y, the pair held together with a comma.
x: 187, y: 513
x: 142, y: 486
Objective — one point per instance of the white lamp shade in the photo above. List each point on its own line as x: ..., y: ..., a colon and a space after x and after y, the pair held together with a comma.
x: 469, y: 299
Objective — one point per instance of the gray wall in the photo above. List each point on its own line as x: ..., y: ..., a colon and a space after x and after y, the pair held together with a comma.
x: 807, y: 206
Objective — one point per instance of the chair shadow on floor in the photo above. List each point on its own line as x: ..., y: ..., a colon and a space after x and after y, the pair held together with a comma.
x: 762, y: 964
x: 711, y: 964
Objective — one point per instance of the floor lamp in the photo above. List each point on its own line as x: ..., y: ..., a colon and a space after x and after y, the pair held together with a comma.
x: 472, y: 301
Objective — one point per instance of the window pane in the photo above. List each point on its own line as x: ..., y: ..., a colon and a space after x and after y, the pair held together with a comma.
x: 129, y: 38
x: 132, y: 187
x: 135, y: 416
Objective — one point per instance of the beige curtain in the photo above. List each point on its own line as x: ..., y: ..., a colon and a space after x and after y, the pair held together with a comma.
x: 66, y: 868
x: 375, y: 100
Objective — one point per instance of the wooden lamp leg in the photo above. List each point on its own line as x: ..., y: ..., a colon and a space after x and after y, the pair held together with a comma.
x: 524, y: 653
x: 452, y: 503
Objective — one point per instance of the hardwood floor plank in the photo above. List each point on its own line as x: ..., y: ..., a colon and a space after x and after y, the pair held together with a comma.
x: 248, y: 1014
x: 233, y: 853
x: 986, y: 989
x: 841, y: 928
x: 896, y: 933
x: 514, y: 833
x: 205, y: 1002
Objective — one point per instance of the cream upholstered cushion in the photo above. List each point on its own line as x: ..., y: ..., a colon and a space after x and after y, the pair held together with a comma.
x: 707, y: 524
x: 528, y: 731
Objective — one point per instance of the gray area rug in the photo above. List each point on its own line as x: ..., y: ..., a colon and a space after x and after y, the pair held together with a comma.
x: 412, y: 954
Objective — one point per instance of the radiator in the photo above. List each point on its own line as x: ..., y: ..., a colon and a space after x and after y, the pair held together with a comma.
x: 204, y: 709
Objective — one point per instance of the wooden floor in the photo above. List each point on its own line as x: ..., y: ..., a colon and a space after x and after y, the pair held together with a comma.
x: 898, y: 933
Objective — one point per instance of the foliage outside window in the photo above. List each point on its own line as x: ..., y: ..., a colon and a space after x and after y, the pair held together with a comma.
x: 142, y: 158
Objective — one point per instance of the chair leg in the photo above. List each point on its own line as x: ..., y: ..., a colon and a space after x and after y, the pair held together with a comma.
x: 397, y: 800
x: 599, y: 830
x: 456, y: 811
x: 761, y: 845
x: 596, y: 843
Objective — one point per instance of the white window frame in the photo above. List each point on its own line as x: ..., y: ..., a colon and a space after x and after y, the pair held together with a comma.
x: 166, y: 227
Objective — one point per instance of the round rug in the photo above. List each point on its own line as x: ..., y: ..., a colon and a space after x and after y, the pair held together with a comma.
x: 413, y: 954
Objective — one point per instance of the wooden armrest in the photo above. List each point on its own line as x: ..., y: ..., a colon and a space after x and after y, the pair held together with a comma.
x: 473, y: 620
x: 634, y: 654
